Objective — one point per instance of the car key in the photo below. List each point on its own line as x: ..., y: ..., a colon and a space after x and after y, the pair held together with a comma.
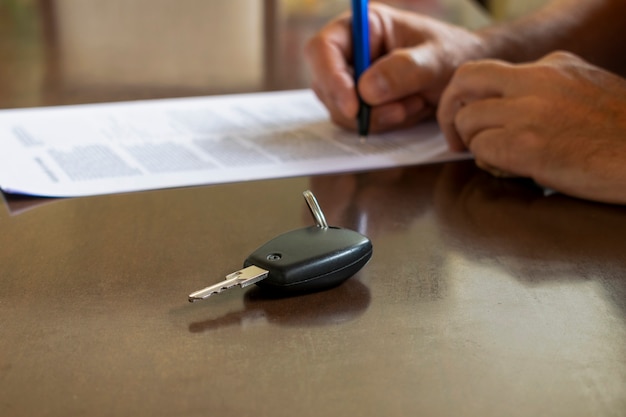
x: 309, y: 259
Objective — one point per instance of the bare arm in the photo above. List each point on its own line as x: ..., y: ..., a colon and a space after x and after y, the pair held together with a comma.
x: 592, y: 29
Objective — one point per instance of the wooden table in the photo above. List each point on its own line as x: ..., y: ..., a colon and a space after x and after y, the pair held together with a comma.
x: 484, y: 297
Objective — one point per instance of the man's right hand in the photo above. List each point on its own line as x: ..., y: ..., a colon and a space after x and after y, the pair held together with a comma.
x: 413, y: 58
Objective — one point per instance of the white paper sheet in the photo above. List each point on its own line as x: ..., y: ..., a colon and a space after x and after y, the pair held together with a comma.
x: 131, y: 146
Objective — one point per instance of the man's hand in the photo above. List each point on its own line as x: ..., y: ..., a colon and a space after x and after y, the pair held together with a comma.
x: 413, y: 57
x: 560, y: 121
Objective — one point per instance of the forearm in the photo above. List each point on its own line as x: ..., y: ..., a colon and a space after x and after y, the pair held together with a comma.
x: 592, y: 29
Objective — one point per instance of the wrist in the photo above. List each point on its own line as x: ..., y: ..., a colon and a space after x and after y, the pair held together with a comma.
x: 501, y: 42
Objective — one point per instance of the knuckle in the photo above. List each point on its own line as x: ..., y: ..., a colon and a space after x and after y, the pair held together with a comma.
x: 470, y: 68
x: 312, y: 46
x: 529, y: 140
x: 561, y: 56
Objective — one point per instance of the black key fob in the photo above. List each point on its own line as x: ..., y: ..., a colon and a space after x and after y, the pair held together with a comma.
x: 311, y: 259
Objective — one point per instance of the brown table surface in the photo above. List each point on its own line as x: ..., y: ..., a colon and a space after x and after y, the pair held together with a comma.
x: 484, y: 297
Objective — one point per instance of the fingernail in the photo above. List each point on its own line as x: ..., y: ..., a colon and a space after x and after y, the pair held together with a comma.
x: 381, y: 84
x: 375, y: 87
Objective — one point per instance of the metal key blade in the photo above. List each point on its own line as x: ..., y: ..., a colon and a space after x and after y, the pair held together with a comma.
x: 243, y: 278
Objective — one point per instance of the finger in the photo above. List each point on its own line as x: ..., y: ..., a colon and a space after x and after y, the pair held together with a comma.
x: 392, y: 116
x: 342, y: 106
x: 331, y: 48
x: 498, y: 173
x: 399, y: 74
x: 446, y: 113
x: 336, y: 115
x: 472, y: 81
x: 487, y: 77
x: 521, y: 120
x: 399, y: 114
x: 494, y: 150
x: 476, y: 116
x: 329, y: 54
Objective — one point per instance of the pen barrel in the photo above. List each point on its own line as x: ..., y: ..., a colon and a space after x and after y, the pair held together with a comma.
x: 360, y: 37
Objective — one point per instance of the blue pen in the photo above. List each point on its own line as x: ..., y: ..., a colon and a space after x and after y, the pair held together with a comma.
x: 361, y: 45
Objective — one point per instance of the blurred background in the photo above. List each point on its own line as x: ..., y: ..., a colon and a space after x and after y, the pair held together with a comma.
x: 80, y: 51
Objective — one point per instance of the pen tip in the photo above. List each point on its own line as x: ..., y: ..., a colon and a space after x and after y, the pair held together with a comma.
x: 362, y: 138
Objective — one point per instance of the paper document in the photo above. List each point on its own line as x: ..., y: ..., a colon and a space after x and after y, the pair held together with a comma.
x: 107, y: 148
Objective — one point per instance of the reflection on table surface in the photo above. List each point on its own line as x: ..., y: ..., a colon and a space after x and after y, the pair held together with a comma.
x: 510, y: 224
x: 484, y: 297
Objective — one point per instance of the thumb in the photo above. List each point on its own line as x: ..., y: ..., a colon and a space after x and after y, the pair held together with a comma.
x: 404, y: 72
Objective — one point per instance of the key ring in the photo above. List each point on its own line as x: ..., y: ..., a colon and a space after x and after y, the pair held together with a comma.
x: 316, y: 210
